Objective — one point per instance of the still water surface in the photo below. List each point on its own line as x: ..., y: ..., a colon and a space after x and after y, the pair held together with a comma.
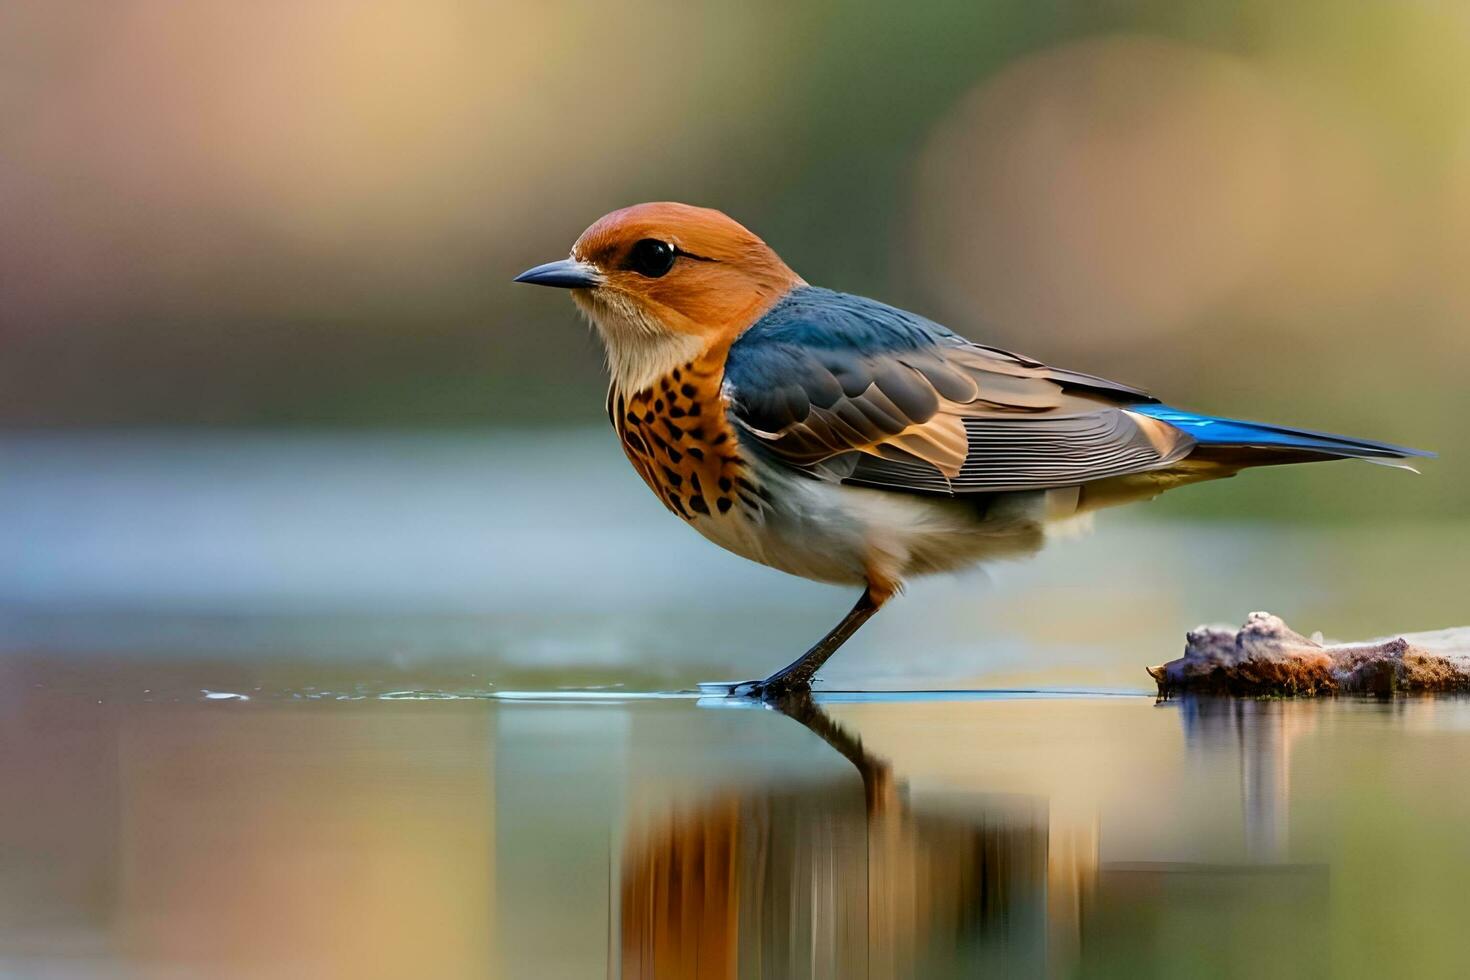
x: 883, y: 837
x: 363, y: 707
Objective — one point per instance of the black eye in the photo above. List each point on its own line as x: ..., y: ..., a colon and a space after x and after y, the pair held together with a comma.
x: 651, y: 257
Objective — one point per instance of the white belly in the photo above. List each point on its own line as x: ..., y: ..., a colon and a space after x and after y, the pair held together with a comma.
x: 852, y: 535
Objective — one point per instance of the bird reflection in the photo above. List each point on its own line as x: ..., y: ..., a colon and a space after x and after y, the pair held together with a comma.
x: 813, y: 878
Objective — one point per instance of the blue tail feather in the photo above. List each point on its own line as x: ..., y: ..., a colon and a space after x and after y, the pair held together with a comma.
x: 1209, y: 430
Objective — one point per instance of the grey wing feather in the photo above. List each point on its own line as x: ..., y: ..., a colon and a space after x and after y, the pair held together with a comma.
x: 849, y: 389
x: 1027, y: 454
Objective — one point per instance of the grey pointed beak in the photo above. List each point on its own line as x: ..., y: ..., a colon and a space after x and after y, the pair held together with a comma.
x: 567, y: 274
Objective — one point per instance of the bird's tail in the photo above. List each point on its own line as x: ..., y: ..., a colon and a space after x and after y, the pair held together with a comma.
x: 1257, y: 444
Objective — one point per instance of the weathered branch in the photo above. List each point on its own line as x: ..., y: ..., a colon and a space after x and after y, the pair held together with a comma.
x: 1266, y: 657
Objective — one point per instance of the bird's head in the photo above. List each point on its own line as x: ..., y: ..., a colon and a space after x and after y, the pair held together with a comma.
x: 665, y: 282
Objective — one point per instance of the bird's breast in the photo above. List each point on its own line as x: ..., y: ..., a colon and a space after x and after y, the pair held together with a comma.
x: 678, y: 436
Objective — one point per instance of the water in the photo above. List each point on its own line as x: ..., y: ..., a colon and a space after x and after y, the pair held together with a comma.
x: 385, y: 707
x: 887, y: 837
x: 540, y: 561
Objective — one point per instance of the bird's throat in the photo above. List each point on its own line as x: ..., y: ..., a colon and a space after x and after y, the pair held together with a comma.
x: 640, y: 350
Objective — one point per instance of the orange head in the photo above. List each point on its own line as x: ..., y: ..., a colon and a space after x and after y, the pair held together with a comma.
x: 665, y: 282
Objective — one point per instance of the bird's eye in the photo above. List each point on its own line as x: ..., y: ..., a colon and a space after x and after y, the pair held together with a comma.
x: 651, y: 257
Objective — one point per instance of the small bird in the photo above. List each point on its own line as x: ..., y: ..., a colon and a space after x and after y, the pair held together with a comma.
x: 847, y: 441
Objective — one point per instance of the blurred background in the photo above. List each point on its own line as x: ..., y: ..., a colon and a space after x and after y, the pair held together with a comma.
x: 306, y: 215
x: 262, y: 355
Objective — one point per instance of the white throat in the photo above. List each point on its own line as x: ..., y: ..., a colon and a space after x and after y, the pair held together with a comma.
x: 639, y: 350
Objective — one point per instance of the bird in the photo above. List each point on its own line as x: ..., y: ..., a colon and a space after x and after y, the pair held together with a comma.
x: 846, y: 441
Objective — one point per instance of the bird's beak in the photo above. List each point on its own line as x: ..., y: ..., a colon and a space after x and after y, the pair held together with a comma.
x: 568, y: 274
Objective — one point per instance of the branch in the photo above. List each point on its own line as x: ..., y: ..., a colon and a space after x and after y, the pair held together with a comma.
x: 1265, y: 657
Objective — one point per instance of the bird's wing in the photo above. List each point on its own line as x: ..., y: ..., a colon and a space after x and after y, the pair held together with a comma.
x: 853, y: 390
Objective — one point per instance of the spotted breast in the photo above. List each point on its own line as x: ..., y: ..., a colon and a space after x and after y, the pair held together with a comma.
x: 676, y: 435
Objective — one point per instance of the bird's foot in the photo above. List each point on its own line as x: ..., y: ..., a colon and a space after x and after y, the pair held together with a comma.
x: 769, y: 690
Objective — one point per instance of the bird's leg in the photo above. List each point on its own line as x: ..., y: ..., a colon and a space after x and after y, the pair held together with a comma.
x: 797, y: 675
